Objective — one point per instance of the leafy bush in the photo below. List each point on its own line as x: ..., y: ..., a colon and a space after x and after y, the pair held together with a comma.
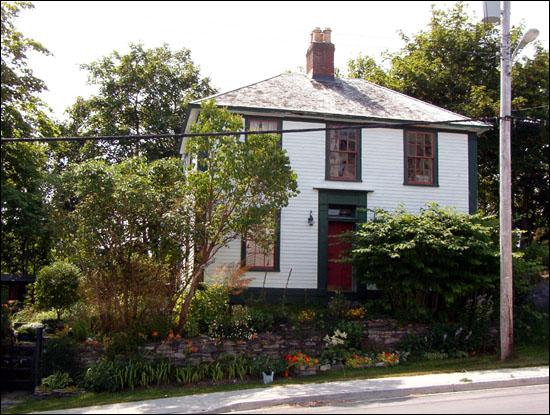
x: 123, y: 344
x: 236, y: 326
x: 261, y: 320
x: 56, y: 287
x: 354, y: 331
x: 60, y: 354
x: 101, y: 377
x: 427, y: 265
x: 267, y: 365
x: 209, y: 305
x: 59, y: 380
x: 338, y: 306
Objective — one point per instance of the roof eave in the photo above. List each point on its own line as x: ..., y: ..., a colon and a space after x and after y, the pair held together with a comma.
x: 286, y: 112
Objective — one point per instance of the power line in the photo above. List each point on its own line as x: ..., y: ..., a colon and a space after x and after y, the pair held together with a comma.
x: 530, y: 108
x: 238, y: 133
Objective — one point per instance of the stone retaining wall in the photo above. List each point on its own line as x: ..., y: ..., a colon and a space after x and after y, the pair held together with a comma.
x: 378, y: 334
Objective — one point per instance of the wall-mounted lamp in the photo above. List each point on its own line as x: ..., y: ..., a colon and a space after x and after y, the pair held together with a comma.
x: 310, y: 220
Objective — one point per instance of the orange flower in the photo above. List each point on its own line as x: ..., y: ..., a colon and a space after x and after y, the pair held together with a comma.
x: 154, y: 334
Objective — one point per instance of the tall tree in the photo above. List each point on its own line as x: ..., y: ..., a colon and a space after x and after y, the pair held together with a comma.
x: 25, y: 230
x: 236, y: 186
x: 455, y: 64
x: 145, y: 91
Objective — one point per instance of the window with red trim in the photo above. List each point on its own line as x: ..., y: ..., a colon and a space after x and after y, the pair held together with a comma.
x: 420, y: 157
x: 260, y: 255
x: 342, y: 153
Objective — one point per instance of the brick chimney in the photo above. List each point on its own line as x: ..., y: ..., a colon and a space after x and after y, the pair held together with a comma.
x: 320, y: 55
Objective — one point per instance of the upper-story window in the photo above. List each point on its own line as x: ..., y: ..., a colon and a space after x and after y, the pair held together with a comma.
x: 262, y: 124
x: 420, y: 151
x: 343, y: 154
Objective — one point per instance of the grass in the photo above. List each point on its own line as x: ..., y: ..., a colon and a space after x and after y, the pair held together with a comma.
x: 524, y: 357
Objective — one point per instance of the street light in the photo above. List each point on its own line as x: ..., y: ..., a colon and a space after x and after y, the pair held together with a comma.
x: 527, y: 38
x: 492, y: 14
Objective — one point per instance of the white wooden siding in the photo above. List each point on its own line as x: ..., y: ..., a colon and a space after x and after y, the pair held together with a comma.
x: 382, y: 172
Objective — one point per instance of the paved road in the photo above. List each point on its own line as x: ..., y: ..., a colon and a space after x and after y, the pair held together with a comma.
x: 516, y: 400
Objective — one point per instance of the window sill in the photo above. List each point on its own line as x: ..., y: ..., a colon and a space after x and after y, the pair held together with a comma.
x: 420, y: 184
x: 343, y: 180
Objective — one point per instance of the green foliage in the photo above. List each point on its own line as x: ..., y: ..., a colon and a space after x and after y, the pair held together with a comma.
x: 240, y: 185
x: 261, y: 320
x: 209, y: 305
x: 473, y: 336
x: 26, y: 232
x: 56, y: 287
x: 123, y: 344
x: 126, y: 227
x: 235, y: 326
x: 144, y: 91
x: 61, y: 354
x: 58, y: 380
x: 101, y: 377
x: 427, y: 265
x: 117, y: 375
x: 454, y: 64
x: 338, y: 306
x: 267, y: 365
x: 531, y: 326
x: 354, y: 331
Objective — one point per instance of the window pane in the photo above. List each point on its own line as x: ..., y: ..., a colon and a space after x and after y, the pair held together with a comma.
x: 342, y: 164
x: 351, y: 146
x: 343, y: 144
x: 333, y: 143
x: 261, y: 255
x: 258, y: 124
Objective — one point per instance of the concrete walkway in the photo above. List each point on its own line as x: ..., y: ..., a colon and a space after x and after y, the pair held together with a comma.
x: 250, y: 399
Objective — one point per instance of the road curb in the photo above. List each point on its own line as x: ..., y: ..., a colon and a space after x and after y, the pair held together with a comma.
x: 387, y: 393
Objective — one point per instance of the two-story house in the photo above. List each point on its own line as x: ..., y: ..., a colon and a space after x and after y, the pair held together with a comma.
x: 342, y: 172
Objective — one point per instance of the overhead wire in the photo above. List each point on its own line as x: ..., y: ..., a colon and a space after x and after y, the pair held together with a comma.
x: 240, y: 132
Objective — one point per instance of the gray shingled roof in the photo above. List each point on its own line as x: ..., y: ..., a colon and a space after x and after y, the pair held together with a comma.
x: 295, y: 92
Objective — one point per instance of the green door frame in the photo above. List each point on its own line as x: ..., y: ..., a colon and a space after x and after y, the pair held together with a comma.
x: 357, y: 198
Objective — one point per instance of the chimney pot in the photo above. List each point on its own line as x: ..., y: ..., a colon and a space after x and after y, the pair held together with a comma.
x: 326, y: 34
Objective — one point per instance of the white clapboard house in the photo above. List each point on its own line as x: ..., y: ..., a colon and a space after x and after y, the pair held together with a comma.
x: 342, y: 172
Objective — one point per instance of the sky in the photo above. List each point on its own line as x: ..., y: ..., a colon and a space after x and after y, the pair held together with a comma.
x: 234, y: 43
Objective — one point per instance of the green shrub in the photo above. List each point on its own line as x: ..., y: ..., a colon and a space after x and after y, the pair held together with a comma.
x: 59, y: 380
x: 531, y: 326
x: 267, y: 365
x: 209, y: 305
x: 123, y: 344
x: 236, y: 326
x: 354, y: 330
x: 427, y: 264
x: 261, y: 320
x: 56, y: 287
x: 101, y: 377
x: 338, y: 306
x: 60, y: 354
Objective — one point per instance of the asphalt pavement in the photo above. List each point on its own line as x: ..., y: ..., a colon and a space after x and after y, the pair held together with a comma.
x: 512, y: 400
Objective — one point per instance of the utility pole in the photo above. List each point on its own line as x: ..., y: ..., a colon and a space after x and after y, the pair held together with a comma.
x: 505, y: 211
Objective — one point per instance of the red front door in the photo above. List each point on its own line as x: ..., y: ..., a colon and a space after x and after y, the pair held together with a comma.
x: 339, y: 274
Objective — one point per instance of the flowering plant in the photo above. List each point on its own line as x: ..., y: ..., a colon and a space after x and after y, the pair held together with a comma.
x: 337, y: 339
x: 390, y: 359
x: 356, y: 313
x: 300, y: 359
x: 306, y: 316
x: 356, y: 360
